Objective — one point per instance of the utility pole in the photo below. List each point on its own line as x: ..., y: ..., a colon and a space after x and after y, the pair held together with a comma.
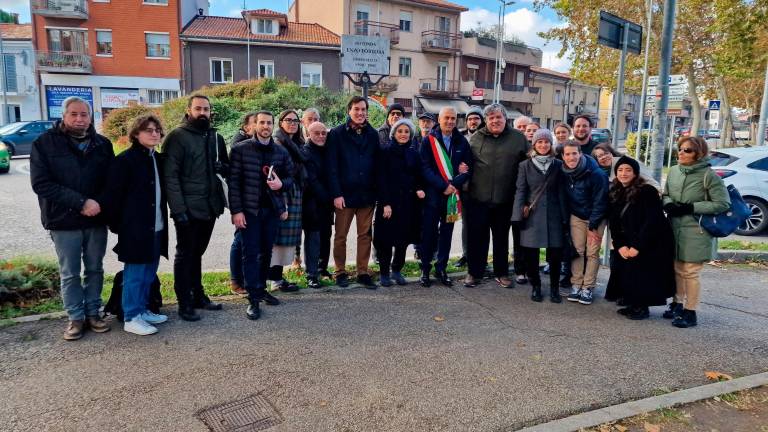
x: 618, y: 100
x: 4, y: 120
x: 641, y: 115
x: 761, y: 125
x: 660, y: 140
x: 500, y: 63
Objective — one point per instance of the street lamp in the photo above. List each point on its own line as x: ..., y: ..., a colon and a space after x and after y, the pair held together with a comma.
x: 500, y: 63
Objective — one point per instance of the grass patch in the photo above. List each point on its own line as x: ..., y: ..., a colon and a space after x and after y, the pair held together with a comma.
x: 742, y: 245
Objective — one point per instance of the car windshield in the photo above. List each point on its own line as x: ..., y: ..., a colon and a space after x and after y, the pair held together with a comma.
x: 721, y: 159
x: 11, y: 127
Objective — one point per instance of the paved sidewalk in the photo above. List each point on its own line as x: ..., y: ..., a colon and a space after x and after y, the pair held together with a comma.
x: 396, y: 359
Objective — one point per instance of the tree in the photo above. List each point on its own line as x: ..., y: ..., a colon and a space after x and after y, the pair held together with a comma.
x: 492, y: 32
x: 7, y: 17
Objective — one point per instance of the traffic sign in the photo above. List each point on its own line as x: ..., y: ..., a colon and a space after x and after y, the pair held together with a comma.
x: 714, y: 105
x: 611, y: 33
x: 653, y: 80
x: 672, y: 98
x: 681, y: 89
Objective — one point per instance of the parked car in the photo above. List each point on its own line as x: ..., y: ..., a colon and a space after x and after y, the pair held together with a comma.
x: 602, y: 131
x: 5, y: 159
x: 19, y: 136
x: 600, y: 137
x: 747, y: 169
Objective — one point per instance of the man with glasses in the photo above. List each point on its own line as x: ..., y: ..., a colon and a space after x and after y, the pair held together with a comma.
x: 317, y: 217
x: 394, y: 113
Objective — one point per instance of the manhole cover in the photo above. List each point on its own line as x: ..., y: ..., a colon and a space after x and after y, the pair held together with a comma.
x: 254, y: 413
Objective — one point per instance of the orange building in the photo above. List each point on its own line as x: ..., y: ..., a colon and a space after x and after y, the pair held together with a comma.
x: 110, y: 52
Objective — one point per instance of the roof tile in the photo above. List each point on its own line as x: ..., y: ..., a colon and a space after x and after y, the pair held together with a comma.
x: 214, y: 27
x: 16, y: 31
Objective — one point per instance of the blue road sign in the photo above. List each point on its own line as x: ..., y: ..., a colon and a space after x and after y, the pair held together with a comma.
x: 714, y: 105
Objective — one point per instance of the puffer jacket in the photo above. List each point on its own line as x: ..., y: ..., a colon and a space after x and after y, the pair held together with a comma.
x: 587, y: 191
x: 685, y: 184
x: 247, y: 177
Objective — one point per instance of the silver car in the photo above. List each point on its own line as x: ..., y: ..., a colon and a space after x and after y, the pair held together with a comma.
x: 747, y: 169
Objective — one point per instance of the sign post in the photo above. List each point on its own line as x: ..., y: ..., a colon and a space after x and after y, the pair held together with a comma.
x: 364, y: 56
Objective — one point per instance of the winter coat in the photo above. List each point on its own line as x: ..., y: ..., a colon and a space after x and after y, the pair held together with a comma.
x: 649, y: 278
x: 588, y: 147
x: 399, y: 177
x: 496, y: 164
x: 239, y: 137
x: 685, y: 184
x: 190, y: 172
x: 644, y: 174
x: 131, y: 205
x: 64, y: 177
x: 383, y: 132
x: 317, y: 209
x: 352, y: 156
x: 546, y: 224
x: 247, y: 179
x: 294, y: 145
x: 433, y: 180
x: 587, y: 192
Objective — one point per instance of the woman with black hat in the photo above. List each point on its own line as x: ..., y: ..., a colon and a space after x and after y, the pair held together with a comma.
x: 643, y: 272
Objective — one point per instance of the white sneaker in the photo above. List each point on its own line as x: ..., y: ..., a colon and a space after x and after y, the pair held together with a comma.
x: 140, y: 327
x: 153, y: 318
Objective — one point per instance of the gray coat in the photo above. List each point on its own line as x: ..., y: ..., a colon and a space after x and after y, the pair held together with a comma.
x: 545, y: 226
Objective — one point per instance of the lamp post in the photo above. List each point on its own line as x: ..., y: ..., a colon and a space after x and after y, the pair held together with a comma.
x: 500, y: 51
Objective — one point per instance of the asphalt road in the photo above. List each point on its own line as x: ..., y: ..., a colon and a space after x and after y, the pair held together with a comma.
x: 396, y: 359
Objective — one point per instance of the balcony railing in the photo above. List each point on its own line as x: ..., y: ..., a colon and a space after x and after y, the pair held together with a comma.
x: 375, y: 28
x: 438, y: 87
x: 512, y: 87
x: 77, y: 9
x: 442, y: 42
x: 483, y: 84
x: 60, y: 61
x: 386, y: 85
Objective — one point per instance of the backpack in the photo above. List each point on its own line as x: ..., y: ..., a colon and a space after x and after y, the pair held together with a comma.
x: 725, y: 223
x: 114, y: 305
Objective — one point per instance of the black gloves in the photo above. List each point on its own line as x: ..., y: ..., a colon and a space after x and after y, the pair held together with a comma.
x: 181, y: 219
x: 678, y: 209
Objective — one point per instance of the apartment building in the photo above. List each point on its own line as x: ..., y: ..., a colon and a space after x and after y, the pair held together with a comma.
x: 584, y: 99
x: 112, y: 53
x: 17, y: 74
x: 260, y: 44
x: 627, y: 117
x: 478, y: 64
x: 425, y: 45
x: 552, y: 106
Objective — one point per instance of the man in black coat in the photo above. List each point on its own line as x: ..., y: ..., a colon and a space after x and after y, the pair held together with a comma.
x: 394, y: 113
x: 353, y: 148
x: 195, y: 158
x: 259, y: 175
x: 446, y: 163
x: 68, y: 170
x: 317, y: 208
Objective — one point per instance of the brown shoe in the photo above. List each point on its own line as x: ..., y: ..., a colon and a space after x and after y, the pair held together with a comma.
x: 236, y: 289
x: 74, y: 330
x: 470, y: 281
x: 98, y: 325
x: 505, y: 282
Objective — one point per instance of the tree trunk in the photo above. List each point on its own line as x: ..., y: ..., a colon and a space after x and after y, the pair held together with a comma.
x: 726, y: 122
x: 695, y: 105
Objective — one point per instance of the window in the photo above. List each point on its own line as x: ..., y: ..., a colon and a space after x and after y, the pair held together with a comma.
x: 472, y: 74
x: 558, y: 98
x: 158, y: 45
x: 158, y: 97
x: 760, y: 164
x: 104, y: 42
x: 404, y: 68
x: 311, y: 74
x: 67, y: 41
x: 363, y: 12
x: 156, y: 2
x: 10, y: 83
x: 264, y: 26
x: 221, y: 70
x: 406, y: 18
x: 520, y: 78
x: 266, y: 69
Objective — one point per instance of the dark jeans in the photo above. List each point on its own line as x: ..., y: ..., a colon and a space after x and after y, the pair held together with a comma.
x: 312, y: 253
x: 554, y: 258
x: 258, y: 238
x: 191, y: 242
x: 387, y: 260
x: 483, y: 220
x: 436, y: 233
x: 236, y: 259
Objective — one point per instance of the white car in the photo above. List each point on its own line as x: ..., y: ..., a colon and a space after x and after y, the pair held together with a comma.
x: 747, y: 169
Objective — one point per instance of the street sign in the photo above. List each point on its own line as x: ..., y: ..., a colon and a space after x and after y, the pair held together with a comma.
x: 365, y: 54
x: 680, y: 89
x: 672, y: 98
x: 714, y: 105
x: 653, y: 80
x: 477, y: 94
x: 610, y: 33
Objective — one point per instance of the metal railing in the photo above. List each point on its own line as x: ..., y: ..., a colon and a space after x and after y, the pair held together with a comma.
x: 61, y: 8
x: 375, y: 28
x: 438, y: 87
x: 61, y: 61
x: 433, y: 40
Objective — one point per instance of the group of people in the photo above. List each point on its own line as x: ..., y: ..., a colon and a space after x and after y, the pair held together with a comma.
x: 401, y: 184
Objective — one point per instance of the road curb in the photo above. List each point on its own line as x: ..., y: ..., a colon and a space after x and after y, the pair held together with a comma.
x: 631, y: 409
x: 740, y: 256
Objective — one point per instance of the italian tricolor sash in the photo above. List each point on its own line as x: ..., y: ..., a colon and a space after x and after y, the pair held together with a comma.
x: 443, y: 161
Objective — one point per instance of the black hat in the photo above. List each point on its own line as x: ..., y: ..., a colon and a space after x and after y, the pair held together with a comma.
x: 626, y: 160
x: 428, y: 116
x: 395, y: 107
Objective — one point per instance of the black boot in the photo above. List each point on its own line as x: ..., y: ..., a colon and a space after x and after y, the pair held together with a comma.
x: 253, y: 311
x: 639, y: 313
x: 554, y: 294
x: 675, y: 309
x: 188, y: 314
x: 686, y: 319
x: 424, y: 279
x: 536, y: 293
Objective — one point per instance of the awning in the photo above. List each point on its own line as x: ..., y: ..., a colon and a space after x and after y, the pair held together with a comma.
x: 513, y: 114
x: 434, y: 105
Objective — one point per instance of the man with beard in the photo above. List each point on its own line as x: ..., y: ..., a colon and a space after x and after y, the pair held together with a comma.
x: 317, y: 217
x: 394, y: 113
x: 474, y: 122
x: 195, y: 158
x: 582, y: 134
x: 68, y: 170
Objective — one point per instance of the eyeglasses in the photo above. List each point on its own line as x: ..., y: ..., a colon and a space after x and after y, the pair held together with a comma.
x: 686, y: 150
x: 152, y: 131
x: 602, y: 155
x: 293, y: 121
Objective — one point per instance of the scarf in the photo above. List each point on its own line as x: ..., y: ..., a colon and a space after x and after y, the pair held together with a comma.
x: 579, y: 168
x: 444, y: 166
x: 542, y: 162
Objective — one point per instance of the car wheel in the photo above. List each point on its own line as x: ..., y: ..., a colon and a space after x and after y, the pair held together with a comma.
x: 757, y: 221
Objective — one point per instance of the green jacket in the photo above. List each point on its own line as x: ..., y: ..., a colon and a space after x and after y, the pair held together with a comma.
x: 496, y: 161
x: 685, y: 184
x: 190, y: 170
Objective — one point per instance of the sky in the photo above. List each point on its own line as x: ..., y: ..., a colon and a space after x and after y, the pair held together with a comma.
x: 520, y: 19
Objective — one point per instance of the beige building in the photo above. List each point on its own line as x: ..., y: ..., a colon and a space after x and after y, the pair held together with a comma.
x: 584, y: 99
x: 629, y: 112
x: 425, y: 45
x: 552, y: 106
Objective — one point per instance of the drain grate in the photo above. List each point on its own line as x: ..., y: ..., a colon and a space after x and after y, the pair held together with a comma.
x: 254, y: 413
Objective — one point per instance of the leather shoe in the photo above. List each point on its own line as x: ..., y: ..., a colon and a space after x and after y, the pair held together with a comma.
x: 207, y: 304
x: 236, y: 288
x: 442, y: 276
x: 342, y: 280
x: 189, y: 315
x: 74, y: 330
x: 461, y: 262
x: 97, y: 325
x: 270, y: 299
x: 470, y: 281
x: 367, y: 281
x: 253, y: 312
x: 424, y: 279
x: 505, y: 282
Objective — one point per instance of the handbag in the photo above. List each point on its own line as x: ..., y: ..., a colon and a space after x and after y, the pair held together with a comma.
x: 725, y: 223
x: 529, y: 207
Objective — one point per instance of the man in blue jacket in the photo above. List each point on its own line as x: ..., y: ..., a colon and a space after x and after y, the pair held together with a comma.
x: 588, y: 201
x: 446, y: 162
x: 353, y: 148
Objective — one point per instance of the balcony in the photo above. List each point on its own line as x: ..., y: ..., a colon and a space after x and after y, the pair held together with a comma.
x: 375, y: 28
x: 386, y: 85
x: 484, y: 48
x: 438, y: 87
x: 440, y: 42
x: 59, y: 61
x: 77, y: 9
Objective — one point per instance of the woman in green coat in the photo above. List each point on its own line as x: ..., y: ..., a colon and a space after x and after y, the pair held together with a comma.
x: 692, y: 189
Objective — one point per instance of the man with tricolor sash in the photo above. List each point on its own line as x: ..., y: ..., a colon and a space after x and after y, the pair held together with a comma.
x: 447, y: 162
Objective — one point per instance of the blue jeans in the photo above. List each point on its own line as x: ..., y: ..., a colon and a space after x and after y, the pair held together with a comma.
x: 312, y: 252
x: 258, y: 238
x: 236, y: 259
x: 81, y: 296
x: 137, y: 279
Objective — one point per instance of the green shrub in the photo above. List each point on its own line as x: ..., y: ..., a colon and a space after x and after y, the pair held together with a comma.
x: 24, y: 279
x: 631, y: 144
